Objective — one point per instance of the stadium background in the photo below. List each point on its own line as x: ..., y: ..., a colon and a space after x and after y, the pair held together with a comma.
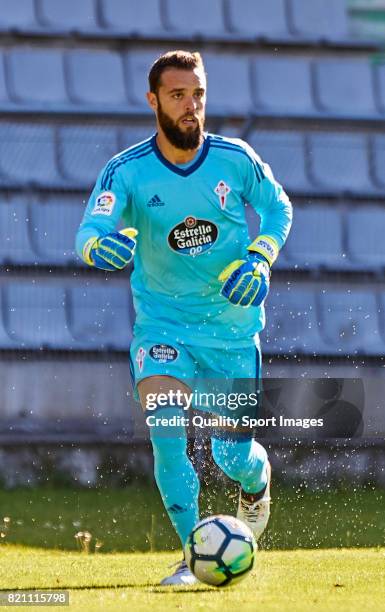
x: 304, y: 82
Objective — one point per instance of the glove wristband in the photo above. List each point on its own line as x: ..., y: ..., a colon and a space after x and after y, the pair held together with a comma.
x: 265, y: 246
x: 87, y: 250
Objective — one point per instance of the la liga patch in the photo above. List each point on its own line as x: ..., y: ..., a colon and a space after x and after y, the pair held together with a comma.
x: 104, y: 204
x: 163, y: 353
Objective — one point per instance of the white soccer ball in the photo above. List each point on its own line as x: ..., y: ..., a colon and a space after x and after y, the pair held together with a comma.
x: 220, y: 550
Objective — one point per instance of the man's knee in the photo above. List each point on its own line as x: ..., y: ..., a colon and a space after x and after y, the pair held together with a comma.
x: 152, y: 388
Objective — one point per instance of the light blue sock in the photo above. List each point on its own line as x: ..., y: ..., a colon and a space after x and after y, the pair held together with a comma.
x: 174, y: 474
x: 242, y: 460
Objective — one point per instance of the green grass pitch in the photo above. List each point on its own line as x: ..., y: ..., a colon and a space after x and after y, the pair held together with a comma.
x: 299, y: 581
x: 323, y: 550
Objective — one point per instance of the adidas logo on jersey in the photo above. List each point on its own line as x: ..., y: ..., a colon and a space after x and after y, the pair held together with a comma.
x: 155, y: 201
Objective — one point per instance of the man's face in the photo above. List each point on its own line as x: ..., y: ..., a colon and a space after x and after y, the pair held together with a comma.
x: 180, y: 106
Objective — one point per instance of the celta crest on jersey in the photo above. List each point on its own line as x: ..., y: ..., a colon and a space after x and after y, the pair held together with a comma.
x: 222, y: 190
x: 193, y: 236
x: 140, y: 355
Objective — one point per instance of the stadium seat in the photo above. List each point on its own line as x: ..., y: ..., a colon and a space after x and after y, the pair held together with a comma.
x: 17, y: 16
x: 3, y: 86
x: 134, y: 19
x: 282, y: 85
x: 318, y: 19
x: 315, y: 239
x: 218, y: 68
x: 379, y: 77
x: 381, y: 317
x: 137, y: 67
x: 350, y: 322
x: 83, y: 151
x: 285, y: 153
x: 366, y: 224
x: 36, y: 315
x: 339, y: 162
x: 378, y: 159
x: 345, y: 87
x: 36, y: 76
x: 189, y: 20
x: 6, y: 341
x: 96, y: 78
x: 28, y: 156
x: 15, y: 243
x: 129, y: 136
x: 291, y: 322
x: 54, y: 224
x: 71, y: 15
x: 265, y: 19
x: 100, y: 316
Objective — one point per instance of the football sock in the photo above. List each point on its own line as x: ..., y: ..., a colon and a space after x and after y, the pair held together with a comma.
x: 175, y: 476
x: 242, y: 460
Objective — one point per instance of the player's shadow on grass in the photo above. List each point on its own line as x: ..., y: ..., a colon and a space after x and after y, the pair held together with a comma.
x: 153, y: 588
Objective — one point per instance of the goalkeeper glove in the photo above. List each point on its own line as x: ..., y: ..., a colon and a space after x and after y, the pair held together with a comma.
x: 111, y: 252
x: 246, y: 281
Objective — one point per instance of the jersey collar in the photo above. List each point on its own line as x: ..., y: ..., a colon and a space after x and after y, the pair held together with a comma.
x: 183, y: 171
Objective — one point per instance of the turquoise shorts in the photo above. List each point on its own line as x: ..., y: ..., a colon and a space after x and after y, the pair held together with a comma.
x: 149, y: 356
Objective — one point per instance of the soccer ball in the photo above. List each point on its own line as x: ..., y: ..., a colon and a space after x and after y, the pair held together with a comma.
x: 220, y: 550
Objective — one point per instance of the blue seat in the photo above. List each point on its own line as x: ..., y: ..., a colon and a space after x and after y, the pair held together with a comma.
x: 265, y: 19
x: 138, y: 64
x: 101, y: 317
x: 54, y: 223
x: 83, y: 151
x: 70, y: 15
x: 28, y: 155
x: 96, y: 78
x: 218, y: 68
x: 6, y: 341
x: 345, y: 87
x: 291, y: 322
x: 36, y: 315
x: 318, y: 19
x: 17, y: 16
x: 379, y: 76
x: 381, y: 313
x: 129, y: 136
x: 285, y: 153
x: 339, y: 162
x: 134, y: 19
x: 350, y: 321
x: 189, y: 20
x: 282, y: 85
x: 4, y: 98
x: 15, y: 242
x: 316, y: 239
x: 378, y: 159
x: 366, y: 223
x: 36, y: 76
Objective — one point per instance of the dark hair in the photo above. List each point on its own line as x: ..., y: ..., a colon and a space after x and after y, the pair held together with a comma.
x: 184, y: 60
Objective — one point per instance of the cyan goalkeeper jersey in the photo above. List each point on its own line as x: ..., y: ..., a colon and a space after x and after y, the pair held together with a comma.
x: 191, y: 223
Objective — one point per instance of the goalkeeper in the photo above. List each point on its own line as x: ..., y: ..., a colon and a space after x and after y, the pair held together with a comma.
x: 199, y: 279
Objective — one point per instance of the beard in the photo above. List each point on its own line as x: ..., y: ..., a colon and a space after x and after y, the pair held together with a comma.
x: 190, y: 139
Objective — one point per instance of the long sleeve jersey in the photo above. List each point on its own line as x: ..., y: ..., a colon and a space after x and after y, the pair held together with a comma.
x: 192, y: 224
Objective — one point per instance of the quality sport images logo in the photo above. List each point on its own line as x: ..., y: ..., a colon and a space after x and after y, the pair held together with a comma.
x: 193, y: 236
